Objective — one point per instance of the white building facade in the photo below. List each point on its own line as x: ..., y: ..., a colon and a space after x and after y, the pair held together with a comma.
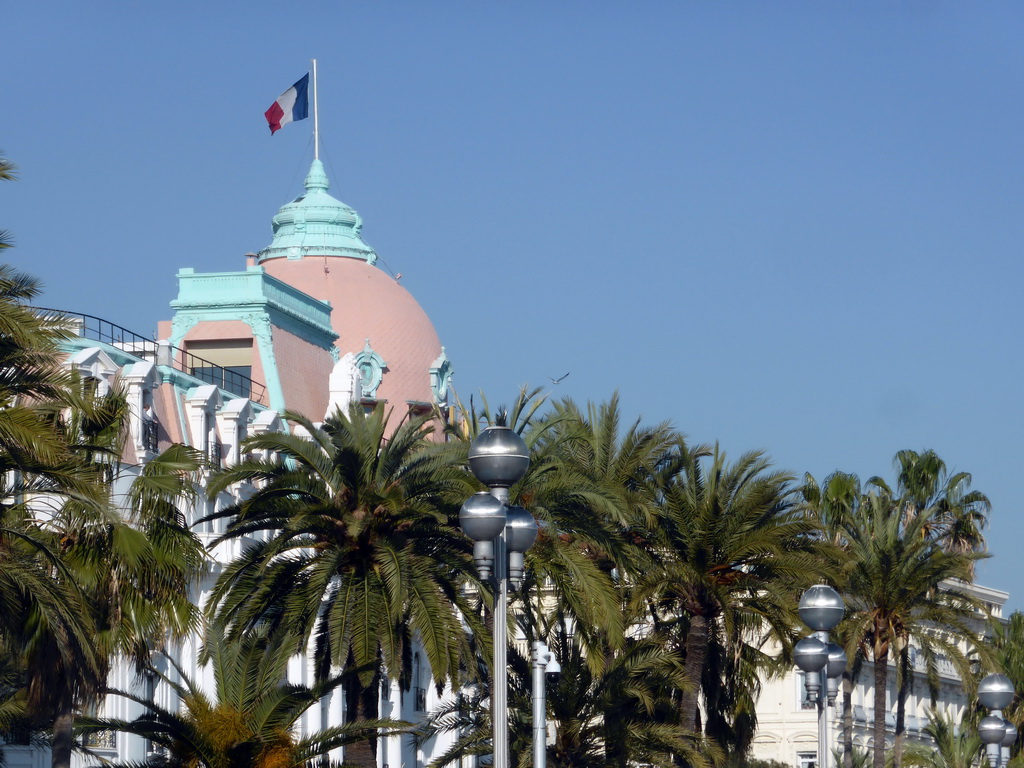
x: 787, y: 728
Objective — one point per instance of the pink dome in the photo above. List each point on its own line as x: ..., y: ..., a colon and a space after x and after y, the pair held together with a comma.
x: 368, y: 304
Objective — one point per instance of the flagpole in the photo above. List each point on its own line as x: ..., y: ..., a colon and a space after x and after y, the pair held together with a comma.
x: 316, y: 119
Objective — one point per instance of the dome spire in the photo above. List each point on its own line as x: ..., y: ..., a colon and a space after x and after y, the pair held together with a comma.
x: 317, y: 179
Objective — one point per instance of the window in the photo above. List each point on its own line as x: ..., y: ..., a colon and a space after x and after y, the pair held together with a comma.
x: 224, y: 363
x: 212, y: 448
x: 807, y: 759
x: 419, y: 692
x: 209, y: 507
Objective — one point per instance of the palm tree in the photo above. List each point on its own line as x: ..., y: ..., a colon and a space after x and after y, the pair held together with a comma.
x: 572, y: 488
x: 360, y: 551
x: 621, y: 715
x: 585, y: 480
x: 940, y: 510
x: 33, y: 390
x: 954, y: 747
x: 957, y: 515
x: 32, y: 381
x: 249, y: 721
x: 127, y: 552
x: 736, y: 552
x: 585, y: 483
x: 901, y: 584
x: 45, y: 613
x: 34, y: 608
x: 588, y: 488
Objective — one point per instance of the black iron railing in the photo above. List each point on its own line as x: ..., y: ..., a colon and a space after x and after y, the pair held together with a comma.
x: 92, y: 327
x: 215, y: 454
x: 101, y: 740
x: 150, y: 435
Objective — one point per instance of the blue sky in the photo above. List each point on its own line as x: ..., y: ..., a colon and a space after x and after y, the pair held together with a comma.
x: 784, y: 226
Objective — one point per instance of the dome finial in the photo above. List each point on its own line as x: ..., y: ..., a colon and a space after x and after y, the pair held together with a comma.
x: 317, y: 178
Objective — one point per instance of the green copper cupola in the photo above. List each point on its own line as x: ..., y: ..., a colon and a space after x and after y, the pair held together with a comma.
x: 316, y: 224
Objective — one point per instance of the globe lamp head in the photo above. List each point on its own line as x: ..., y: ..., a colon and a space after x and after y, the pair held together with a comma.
x: 498, y: 457
x: 995, y: 692
x: 1011, y: 734
x: 810, y: 654
x: 836, y: 661
x: 992, y: 729
x: 520, y: 530
x: 482, y: 517
x: 821, y: 608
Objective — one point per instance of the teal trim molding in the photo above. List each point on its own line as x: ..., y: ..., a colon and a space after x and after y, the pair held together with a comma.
x: 260, y: 301
x: 371, y: 370
x: 227, y: 295
x: 440, y: 377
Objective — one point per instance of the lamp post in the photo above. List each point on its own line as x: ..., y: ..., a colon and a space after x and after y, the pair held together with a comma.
x: 821, y: 608
x: 545, y: 667
x: 995, y: 693
x: 498, y: 457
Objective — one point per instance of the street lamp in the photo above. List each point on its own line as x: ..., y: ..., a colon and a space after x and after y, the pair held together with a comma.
x: 821, y: 608
x: 995, y: 693
x: 498, y: 458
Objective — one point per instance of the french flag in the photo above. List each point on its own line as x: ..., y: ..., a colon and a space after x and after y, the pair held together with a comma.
x: 291, y: 105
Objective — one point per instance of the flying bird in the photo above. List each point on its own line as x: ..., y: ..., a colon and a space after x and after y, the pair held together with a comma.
x: 558, y: 380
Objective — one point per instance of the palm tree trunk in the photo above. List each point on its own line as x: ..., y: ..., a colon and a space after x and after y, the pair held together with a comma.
x: 362, y: 703
x: 63, y: 739
x: 615, y: 752
x: 847, y: 719
x: 901, y: 706
x: 696, y: 654
x: 881, y: 683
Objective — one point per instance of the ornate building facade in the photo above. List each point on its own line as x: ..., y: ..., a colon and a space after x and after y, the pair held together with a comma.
x: 308, y: 325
